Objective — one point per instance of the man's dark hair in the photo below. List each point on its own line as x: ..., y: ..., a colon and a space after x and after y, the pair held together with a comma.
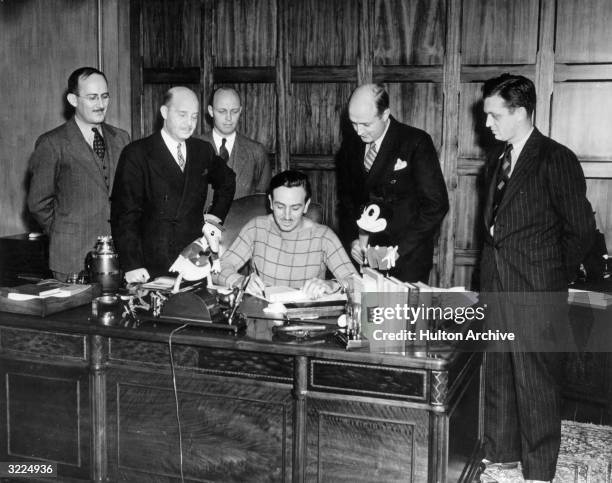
x: 81, y: 73
x: 381, y: 98
x: 516, y: 90
x: 291, y: 179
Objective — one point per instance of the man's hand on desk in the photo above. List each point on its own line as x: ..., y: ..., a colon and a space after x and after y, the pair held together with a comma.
x: 315, y: 287
x: 138, y: 275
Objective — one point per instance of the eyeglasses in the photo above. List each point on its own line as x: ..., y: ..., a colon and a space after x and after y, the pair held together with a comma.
x: 95, y: 97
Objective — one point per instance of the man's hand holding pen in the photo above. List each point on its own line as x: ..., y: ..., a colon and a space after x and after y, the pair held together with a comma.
x: 256, y: 286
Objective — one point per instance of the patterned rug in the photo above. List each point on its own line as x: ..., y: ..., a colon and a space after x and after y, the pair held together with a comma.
x: 585, y: 457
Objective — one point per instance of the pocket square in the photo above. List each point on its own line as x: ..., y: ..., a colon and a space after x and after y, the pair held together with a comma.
x: 399, y: 164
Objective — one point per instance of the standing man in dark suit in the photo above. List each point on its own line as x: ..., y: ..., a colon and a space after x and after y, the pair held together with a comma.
x: 538, y: 227
x: 246, y: 157
x: 395, y: 166
x: 72, y: 170
x: 160, y: 190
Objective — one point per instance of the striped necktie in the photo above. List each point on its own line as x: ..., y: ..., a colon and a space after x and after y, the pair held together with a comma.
x: 179, y: 157
x: 503, y: 176
x: 370, y: 157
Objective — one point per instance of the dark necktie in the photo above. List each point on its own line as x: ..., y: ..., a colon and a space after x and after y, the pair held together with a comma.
x: 503, y: 176
x: 98, y: 143
x: 370, y: 157
x: 223, y: 153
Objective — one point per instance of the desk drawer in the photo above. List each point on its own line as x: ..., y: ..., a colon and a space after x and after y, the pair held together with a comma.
x: 368, y: 381
x: 43, y: 344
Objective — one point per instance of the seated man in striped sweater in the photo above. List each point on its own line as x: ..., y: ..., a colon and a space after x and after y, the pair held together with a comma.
x: 285, y: 248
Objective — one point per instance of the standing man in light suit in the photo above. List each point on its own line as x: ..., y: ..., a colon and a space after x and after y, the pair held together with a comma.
x: 246, y: 157
x: 72, y: 170
x: 160, y: 191
x: 538, y: 227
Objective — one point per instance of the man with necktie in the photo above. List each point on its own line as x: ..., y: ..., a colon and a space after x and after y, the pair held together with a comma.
x: 395, y: 166
x: 246, y: 157
x: 538, y: 227
x: 160, y: 190
x: 72, y: 170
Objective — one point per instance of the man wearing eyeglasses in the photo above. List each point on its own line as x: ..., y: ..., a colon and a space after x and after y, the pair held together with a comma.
x: 72, y: 170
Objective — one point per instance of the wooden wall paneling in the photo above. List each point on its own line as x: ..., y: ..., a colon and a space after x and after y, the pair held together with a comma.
x: 246, y: 33
x: 599, y: 192
x: 258, y: 113
x: 115, y: 44
x: 41, y: 43
x: 324, y: 33
x: 474, y: 137
x: 499, y: 31
x: 283, y: 82
x: 136, y: 71
x: 365, y: 52
x: 152, y: 99
x: 468, y: 222
x: 418, y: 104
x: 583, y: 31
x: 315, y: 117
x: 449, y: 154
x: 171, y: 33
x: 324, y: 192
x: 207, y: 60
x: 588, y: 105
x: 409, y: 32
x: 545, y: 65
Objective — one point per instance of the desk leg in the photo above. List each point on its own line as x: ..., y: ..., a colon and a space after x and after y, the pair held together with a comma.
x: 438, y: 428
x: 97, y: 377
x: 300, y: 381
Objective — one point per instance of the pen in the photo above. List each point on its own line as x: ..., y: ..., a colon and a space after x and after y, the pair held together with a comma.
x: 263, y: 290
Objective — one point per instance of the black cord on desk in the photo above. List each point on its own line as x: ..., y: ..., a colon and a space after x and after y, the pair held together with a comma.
x: 176, y: 401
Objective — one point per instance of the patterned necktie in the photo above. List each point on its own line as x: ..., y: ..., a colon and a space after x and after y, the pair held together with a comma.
x: 179, y: 157
x: 370, y: 157
x: 223, y: 153
x: 98, y: 143
x: 503, y: 176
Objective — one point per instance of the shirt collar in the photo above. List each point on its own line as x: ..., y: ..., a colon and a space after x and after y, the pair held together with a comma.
x: 172, y: 143
x: 85, y: 129
x: 379, y: 141
x: 229, y: 143
x: 518, y: 147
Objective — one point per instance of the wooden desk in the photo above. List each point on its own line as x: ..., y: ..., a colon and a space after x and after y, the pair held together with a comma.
x: 587, y: 390
x: 99, y: 401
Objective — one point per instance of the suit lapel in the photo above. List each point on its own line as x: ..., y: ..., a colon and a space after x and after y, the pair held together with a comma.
x: 191, y: 174
x: 525, y: 164
x: 384, y: 158
x: 112, y: 152
x: 83, y: 154
x: 235, y: 157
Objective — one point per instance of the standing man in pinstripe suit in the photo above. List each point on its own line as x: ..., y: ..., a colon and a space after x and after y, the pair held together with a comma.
x: 538, y: 228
